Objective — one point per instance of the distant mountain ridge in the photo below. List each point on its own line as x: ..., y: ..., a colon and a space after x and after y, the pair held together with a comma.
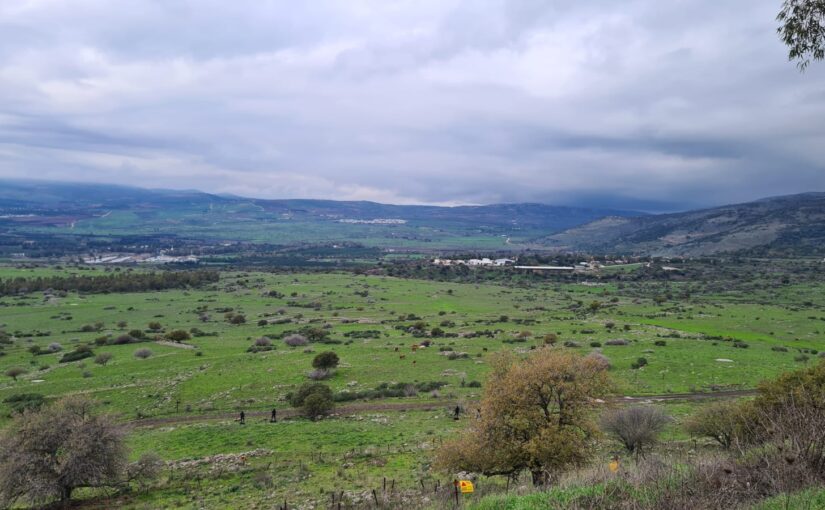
x: 86, y: 209
x: 791, y: 223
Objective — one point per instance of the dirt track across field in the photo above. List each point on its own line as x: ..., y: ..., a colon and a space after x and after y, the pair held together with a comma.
x: 447, y: 406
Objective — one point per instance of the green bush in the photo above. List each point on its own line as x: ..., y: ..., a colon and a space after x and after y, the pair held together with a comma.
x: 326, y: 360
x: 23, y: 401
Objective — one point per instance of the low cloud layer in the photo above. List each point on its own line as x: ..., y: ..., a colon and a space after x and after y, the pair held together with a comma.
x: 644, y: 104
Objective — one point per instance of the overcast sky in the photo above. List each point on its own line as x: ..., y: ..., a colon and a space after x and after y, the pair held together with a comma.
x: 649, y: 104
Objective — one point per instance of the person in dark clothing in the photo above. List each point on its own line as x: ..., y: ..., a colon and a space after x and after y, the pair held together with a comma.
x: 457, y: 411
x: 274, y: 417
x: 243, y: 418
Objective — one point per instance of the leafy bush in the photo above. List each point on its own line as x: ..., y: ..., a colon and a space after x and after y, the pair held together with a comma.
x: 178, y: 335
x: 143, y: 353
x: 639, y: 363
x: 326, y: 360
x: 24, y: 401
x: 76, y: 355
x: 315, y: 399
x: 724, y: 422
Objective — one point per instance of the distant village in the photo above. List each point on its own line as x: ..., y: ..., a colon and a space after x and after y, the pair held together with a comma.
x: 591, y: 266
x: 140, y: 258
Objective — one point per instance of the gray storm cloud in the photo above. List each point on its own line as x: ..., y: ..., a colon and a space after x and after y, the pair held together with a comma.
x: 655, y: 105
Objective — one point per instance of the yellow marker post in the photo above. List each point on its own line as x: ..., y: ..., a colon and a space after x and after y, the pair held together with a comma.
x: 466, y: 486
x: 614, y: 465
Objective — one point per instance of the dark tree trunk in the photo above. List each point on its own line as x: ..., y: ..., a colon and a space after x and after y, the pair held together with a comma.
x: 66, y: 497
x: 539, y: 478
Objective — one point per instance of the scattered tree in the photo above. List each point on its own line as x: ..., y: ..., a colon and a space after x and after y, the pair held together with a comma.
x: 15, y: 372
x: 535, y: 415
x: 143, y: 353
x: 46, y: 455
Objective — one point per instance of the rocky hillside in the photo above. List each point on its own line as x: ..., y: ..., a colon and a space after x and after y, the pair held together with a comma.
x: 789, y: 224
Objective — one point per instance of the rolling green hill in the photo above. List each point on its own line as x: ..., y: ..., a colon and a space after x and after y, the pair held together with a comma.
x: 33, y: 207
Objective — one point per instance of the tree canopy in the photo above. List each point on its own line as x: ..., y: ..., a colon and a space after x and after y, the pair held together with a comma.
x: 802, y: 29
x: 534, y: 415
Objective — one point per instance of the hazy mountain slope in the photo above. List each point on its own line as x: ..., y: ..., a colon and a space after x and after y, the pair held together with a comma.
x: 794, y: 222
x: 84, y: 209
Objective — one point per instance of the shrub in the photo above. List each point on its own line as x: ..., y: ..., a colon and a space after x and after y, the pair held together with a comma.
x: 155, y: 326
x: 178, y: 335
x: 660, y: 343
x: 124, y: 339
x: 639, y: 363
x: 617, y: 341
x: 325, y: 360
x: 78, y: 354
x: 315, y: 399
x: 147, y: 468
x: 637, y: 428
x: 55, y: 347
x: 103, y: 358
x: 602, y: 360
x: 136, y: 333
x: 595, y: 344
x: 237, y: 319
x: 724, y: 422
x: 571, y: 343
x: 262, y: 342
x: 550, y: 339
x: 296, y: 340
x: 143, y: 353
x: 317, y: 405
x: 25, y: 401
x: 319, y: 374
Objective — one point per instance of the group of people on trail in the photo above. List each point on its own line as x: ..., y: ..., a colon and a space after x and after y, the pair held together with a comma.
x: 273, y: 417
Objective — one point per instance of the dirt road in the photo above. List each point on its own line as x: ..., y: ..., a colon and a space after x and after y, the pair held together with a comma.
x: 350, y: 409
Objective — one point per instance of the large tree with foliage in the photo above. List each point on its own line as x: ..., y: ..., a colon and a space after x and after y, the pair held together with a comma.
x: 535, y: 415
x: 802, y: 29
x: 45, y: 455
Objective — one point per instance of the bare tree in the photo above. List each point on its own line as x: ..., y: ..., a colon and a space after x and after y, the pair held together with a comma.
x: 636, y: 428
x: 45, y: 455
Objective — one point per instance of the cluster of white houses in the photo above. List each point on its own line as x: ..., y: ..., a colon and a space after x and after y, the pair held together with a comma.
x: 580, y: 267
x: 140, y: 258
x: 473, y: 262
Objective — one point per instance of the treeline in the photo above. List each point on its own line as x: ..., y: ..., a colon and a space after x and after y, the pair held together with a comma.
x: 116, y: 282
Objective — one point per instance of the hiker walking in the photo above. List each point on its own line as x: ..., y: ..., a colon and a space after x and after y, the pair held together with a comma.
x: 456, y: 412
x: 243, y: 418
x: 274, y: 417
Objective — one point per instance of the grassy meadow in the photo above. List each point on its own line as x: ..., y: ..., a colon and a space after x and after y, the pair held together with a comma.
x: 181, y: 401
